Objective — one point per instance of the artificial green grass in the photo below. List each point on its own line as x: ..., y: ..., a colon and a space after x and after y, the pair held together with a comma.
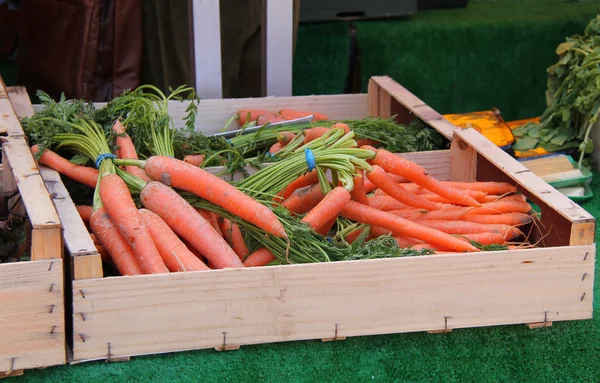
x: 565, y: 352
x: 491, y: 54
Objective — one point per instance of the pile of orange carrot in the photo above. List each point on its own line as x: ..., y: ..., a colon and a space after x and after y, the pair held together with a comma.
x: 163, y: 214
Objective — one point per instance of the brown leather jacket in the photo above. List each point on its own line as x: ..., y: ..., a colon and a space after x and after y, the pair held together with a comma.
x: 90, y: 49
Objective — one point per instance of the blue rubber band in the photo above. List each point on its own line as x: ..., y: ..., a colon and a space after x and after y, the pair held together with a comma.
x: 310, y: 159
x: 228, y: 140
x: 269, y: 154
x: 102, y: 157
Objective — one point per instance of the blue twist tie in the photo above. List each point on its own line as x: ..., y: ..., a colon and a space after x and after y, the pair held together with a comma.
x: 228, y: 140
x: 310, y: 159
x: 102, y: 157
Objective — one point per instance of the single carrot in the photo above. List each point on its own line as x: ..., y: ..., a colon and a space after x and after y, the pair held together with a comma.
x: 396, y: 164
x: 386, y: 203
x: 486, y: 187
x: 314, y: 133
x: 233, y: 235
x: 260, y: 257
x: 284, y: 138
x: 126, y: 150
x: 291, y: 114
x: 269, y: 118
x: 275, y: 147
x: 125, y: 215
x: 82, y: 174
x: 85, y: 212
x: 450, y: 214
x: 465, y: 227
x: 303, y: 201
x: 194, y: 251
x: 189, y: 224
x: 328, y: 208
x: 485, y: 238
x: 113, y: 242
x: 369, y: 186
x: 512, y: 219
x: 500, y: 207
x: 175, y: 254
x: 307, y: 179
x: 358, y: 193
x: 193, y: 179
x: 194, y: 159
x: 246, y: 115
x: 403, y: 227
x: 380, y: 178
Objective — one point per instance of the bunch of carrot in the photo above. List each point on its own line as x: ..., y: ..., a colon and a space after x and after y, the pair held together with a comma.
x: 262, y: 117
x: 162, y: 214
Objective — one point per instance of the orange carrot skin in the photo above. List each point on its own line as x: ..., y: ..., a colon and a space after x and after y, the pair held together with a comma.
x: 125, y: 215
x: 512, y: 197
x: 407, y: 241
x: 393, y: 163
x: 212, y: 219
x: 269, y: 119
x: 324, y: 229
x: 486, y: 238
x: 328, y: 208
x: 104, y: 256
x: 386, y: 203
x: 406, y: 214
x: 486, y: 187
x: 291, y: 114
x: 175, y: 254
x: 307, y: 179
x: 126, y: 150
x: 233, y: 236
x: 358, y: 193
x: 194, y: 159
x: 275, y: 147
x: 113, y: 242
x: 501, y: 206
x: 314, y: 133
x: 465, y: 227
x: 243, y: 115
x: 403, y: 227
x: 260, y: 257
x: 341, y: 125
x: 284, y: 138
x: 303, y: 201
x: 184, y: 220
x: 450, y: 214
x: 380, y: 178
x: 184, y: 176
x: 377, y: 231
x: 85, y: 212
x: 82, y: 174
x: 512, y: 219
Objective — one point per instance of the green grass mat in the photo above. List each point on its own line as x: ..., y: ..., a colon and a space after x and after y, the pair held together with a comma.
x: 565, y: 352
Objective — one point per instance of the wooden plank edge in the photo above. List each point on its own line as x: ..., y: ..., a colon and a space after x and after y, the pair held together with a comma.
x: 10, y: 374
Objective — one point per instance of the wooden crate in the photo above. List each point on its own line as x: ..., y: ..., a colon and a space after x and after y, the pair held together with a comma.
x: 32, y: 316
x: 118, y: 317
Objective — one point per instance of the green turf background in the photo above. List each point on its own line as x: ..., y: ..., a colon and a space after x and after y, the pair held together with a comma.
x: 493, y: 54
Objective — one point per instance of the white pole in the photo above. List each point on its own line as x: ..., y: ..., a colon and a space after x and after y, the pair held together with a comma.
x: 277, y: 47
x: 207, y: 48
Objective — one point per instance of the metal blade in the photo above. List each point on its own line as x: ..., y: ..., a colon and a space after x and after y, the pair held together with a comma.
x: 233, y: 133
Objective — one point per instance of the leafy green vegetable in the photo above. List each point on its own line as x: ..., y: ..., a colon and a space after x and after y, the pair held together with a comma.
x: 573, y: 96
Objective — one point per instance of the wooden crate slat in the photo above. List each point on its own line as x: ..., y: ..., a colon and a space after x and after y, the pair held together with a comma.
x: 136, y: 315
x: 19, y: 98
x: 32, y: 315
x: 86, y: 260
